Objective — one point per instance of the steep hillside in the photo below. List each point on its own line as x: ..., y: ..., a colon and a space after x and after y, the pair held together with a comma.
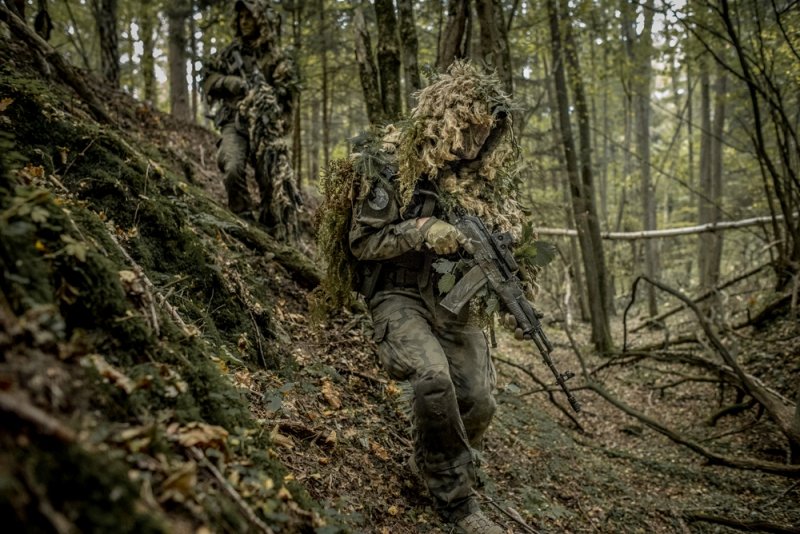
x: 160, y: 370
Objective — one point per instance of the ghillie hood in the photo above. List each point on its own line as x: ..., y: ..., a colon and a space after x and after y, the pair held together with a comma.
x: 426, y: 144
x: 266, y: 17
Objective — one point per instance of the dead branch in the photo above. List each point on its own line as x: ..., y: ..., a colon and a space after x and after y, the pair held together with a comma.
x: 541, y: 383
x: 18, y: 406
x: 669, y: 232
x: 712, y: 457
x: 259, y: 525
x: 510, y: 513
x: 66, y: 71
x: 650, y: 321
x: 747, y: 526
x: 779, y: 412
x: 733, y: 409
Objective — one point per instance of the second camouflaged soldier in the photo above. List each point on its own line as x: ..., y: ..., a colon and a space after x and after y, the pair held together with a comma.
x: 450, y: 159
x: 254, y: 82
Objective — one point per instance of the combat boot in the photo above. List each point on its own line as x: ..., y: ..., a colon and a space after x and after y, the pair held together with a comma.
x: 478, y: 523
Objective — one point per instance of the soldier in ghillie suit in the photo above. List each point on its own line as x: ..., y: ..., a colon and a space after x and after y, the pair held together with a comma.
x: 406, y: 187
x: 254, y: 82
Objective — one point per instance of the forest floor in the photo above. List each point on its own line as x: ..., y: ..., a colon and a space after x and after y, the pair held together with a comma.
x: 161, y: 370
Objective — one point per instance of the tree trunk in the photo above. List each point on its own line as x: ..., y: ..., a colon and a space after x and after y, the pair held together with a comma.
x: 494, y: 40
x: 148, y: 64
x: 366, y: 68
x: 410, y: 45
x: 388, y: 59
x: 326, y: 123
x: 297, y: 123
x: 581, y: 191
x: 193, y: 60
x: 454, y: 40
x: 705, y: 204
x: 105, y: 16
x: 642, y: 77
x: 177, y: 14
x: 711, y: 244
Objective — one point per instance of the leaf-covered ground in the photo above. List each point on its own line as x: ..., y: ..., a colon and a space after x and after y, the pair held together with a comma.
x: 160, y: 369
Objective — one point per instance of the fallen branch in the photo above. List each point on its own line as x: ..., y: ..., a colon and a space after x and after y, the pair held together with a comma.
x: 669, y: 232
x: 712, y: 457
x: 747, y: 526
x: 18, y: 406
x: 779, y: 412
x: 650, y: 321
x: 259, y: 525
x: 510, y: 513
x: 550, y: 392
x: 66, y: 71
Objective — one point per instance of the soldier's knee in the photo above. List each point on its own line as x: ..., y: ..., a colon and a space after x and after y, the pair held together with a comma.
x: 480, y: 404
x: 433, y: 389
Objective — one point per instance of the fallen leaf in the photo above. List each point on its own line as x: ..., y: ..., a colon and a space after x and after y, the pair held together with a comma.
x: 109, y: 372
x: 379, y: 451
x: 197, y: 434
x: 330, y: 394
x: 284, y: 494
x: 180, y: 484
x: 4, y: 103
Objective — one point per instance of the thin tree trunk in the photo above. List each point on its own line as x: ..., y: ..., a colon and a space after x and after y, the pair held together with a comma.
x: 297, y: 128
x: 193, y: 60
x: 388, y: 55
x: 410, y: 45
x: 366, y: 68
x: 176, y: 54
x: 704, y: 201
x: 148, y: 64
x: 714, y: 241
x: 641, y: 95
x: 326, y: 124
x: 105, y: 16
x: 454, y: 40
x: 494, y: 40
x: 581, y: 191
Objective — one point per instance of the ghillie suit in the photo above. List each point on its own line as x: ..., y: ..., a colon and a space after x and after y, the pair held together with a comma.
x: 254, y: 83
x: 421, y: 149
x: 387, y: 227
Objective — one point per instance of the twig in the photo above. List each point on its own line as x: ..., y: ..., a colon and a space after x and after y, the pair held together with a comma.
x: 550, y: 393
x: 510, y: 513
x: 782, y: 495
x: 232, y: 493
x: 20, y: 407
x: 162, y: 301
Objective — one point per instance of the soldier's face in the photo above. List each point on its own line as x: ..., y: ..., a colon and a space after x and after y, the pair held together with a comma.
x: 247, y: 24
x: 474, y: 136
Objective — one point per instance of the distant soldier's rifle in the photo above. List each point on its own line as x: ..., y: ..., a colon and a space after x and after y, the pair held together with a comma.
x: 496, y: 266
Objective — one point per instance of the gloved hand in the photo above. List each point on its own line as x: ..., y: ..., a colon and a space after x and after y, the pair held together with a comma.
x: 442, y: 237
x: 509, y: 321
x: 235, y: 85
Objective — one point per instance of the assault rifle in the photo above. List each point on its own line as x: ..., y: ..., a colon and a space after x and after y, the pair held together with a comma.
x: 496, y: 266
x: 236, y: 64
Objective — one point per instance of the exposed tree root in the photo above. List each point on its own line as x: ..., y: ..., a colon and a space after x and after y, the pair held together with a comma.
x: 747, y: 526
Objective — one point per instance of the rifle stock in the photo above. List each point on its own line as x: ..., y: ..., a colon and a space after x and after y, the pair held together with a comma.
x: 493, y: 255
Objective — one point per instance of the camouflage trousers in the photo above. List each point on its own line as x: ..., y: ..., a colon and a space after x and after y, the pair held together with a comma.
x: 447, y: 363
x: 273, y: 172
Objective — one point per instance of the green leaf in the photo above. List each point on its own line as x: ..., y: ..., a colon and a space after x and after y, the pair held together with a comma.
x: 443, y: 266
x: 446, y: 283
x: 39, y: 214
x: 545, y: 252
